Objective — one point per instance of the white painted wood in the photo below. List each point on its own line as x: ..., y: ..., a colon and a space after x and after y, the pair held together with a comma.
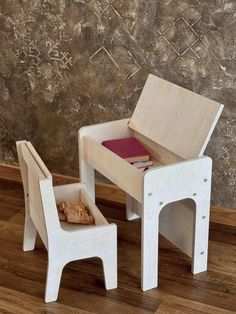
x: 104, y: 131
x: 39, y: 161
x: 183, y: 179
x: 54, y: 272
x: 161, y: 155
x: 87, y: 174
x: 149, y: 242
x: 132, y: 208
x: 175, y: 125
x: 68, y: 192
x: 118, y: 170
x: 98, y: 217
x: 30, y: 230
x: 99, y: 132
x: 64, y: 244
x: 169, y: 183
x: 23, y: 166
x: 176, y: 223
x: 175, y: 118
x: 192, y: 180
x: 34, y: 175
x: 201, y: 231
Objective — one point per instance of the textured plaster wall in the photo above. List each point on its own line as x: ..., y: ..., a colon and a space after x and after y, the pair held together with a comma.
x: 69, y: 63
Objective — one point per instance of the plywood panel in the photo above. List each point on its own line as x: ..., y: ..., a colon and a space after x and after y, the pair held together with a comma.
x: 177, y: 224
x: 119, y: 171
x: 174, y: 117
x: 161, y: 155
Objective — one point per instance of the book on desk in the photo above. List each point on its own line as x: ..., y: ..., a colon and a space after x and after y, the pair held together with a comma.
x: 131, y: 150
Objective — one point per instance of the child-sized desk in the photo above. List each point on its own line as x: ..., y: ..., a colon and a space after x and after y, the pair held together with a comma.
x: 175, y: 125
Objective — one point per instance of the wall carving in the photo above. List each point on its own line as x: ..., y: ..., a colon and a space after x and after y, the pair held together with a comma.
x: 69, y: 63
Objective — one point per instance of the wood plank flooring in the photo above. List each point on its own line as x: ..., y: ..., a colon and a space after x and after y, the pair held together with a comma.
x: 22, y: 274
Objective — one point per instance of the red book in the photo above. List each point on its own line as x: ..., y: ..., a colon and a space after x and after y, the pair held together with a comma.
x: 129, y: 149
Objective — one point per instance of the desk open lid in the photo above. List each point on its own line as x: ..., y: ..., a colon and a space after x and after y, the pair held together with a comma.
x: 175, y: 118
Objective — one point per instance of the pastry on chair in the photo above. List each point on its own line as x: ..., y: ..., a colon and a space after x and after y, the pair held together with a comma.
x: 75, y: 213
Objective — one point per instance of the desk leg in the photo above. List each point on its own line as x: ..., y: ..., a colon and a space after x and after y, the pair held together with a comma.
x: 132, y: 208
x: 86, y: 172
x: 201, y: 232
x: 150, y: 226
x: 87, y: 177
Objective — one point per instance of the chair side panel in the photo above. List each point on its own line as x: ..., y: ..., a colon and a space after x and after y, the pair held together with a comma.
x: 23, y: 166
x: 35, y: 205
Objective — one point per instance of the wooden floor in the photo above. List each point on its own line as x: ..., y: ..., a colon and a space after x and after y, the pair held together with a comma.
x: 22, y: 274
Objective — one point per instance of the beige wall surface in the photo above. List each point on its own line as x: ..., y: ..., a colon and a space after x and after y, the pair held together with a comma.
x: 69, y: 63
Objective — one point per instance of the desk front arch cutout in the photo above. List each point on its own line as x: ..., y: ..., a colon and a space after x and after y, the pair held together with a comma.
x: 179, y: 230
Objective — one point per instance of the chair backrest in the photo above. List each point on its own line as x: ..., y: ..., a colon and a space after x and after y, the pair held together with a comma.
x: 175, y: 118
x: 38, y: 189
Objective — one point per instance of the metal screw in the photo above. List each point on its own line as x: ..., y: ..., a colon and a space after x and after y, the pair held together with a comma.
x: 205, y: 180
x: 203, y: 217
x: 149, y: 194
x: 202, y: 253
x: 194, y: 194
x: 161, y: 203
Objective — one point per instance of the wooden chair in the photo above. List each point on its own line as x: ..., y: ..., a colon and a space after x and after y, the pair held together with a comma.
x: 64, y: 242
x: 175, y: 125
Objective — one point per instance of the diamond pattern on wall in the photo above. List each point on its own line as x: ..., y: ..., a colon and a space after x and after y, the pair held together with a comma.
x: 75, y: 62
x: 181, y: 37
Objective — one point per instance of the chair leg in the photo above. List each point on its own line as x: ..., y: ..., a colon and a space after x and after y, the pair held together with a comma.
x: 201, y: 232
x: 54, y: 273
x: 110, y: 271
x: 150, y: 227
x: 109, y: 260
x: 30, y: 233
